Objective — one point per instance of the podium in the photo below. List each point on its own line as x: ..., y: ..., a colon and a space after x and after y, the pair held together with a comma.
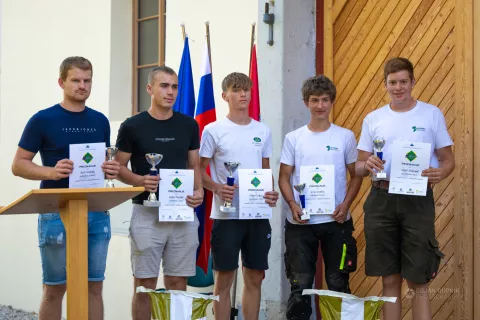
x: 73, y: 206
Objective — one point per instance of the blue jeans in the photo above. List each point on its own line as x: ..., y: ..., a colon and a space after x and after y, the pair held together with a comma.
x: 51, y: 241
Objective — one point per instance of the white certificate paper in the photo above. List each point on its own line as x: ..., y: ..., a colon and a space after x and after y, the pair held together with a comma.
x: 175, y: 186
x: 409, y: 159
x: 253, y: 183
x: 319, y: 189
x: 87, y: 165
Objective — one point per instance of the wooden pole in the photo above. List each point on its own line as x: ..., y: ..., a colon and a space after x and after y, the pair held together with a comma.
x: 207, y: 29
x: 252, y: 42
x: 183, y: 31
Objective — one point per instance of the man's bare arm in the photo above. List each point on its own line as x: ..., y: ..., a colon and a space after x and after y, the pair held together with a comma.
x: 24, y: 167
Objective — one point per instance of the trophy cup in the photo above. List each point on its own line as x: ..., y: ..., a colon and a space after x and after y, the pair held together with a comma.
x: 378, y: 144
x: 111, y: 152
x: 153, y: 159
x: 231, y: 167
x: 300, y: 188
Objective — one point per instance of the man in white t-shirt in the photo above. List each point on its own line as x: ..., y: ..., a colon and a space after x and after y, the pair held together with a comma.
x: 400, y: 229
x: 236, y: 138
x: 318, y: 143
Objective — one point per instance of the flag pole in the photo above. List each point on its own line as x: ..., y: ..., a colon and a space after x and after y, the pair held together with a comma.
x: 183, y: 31
x: 207, y: 29
x: 252, y: 41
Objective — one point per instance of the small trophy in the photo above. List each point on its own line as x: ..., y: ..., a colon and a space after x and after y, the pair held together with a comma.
x: 300, y: 188
x: 111, y: 152
x: 153, y: 159
x: 231, y: 167
x: 378, y: 144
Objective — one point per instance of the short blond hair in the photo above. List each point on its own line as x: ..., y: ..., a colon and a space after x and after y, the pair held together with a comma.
x: 236, y: 80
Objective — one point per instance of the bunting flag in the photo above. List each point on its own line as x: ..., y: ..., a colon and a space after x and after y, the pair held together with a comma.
x: 185, y: 102
x: 254, y: 106
x: 204, y: 114
x: 343, y: 306
x: 178, y: 305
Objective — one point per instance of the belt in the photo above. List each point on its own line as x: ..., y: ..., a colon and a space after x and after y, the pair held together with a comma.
x: 384, y: 184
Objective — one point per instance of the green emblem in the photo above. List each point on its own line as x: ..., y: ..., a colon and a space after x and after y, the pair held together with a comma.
x: 255, y: 182
x: 414, y: 128
x: 87, y: 157
x: 176, y: 183
x: 328, y: 148
x: 317, y: 178
x: 411, y: 156
x: 257, y: 139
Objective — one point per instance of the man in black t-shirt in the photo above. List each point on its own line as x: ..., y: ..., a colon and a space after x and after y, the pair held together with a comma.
x: 176, y: 137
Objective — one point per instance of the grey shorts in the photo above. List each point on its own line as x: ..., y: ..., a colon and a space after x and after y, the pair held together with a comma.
x: 172, y: 243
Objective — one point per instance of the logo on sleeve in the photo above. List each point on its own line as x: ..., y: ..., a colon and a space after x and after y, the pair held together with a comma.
x: 257, y: 142
x: 330, y: 148
x: 415, y: 129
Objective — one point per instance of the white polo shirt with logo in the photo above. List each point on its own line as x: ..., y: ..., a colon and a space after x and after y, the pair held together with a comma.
x: 224, y: 140
x: 335, y: 146
x: 423, y: 123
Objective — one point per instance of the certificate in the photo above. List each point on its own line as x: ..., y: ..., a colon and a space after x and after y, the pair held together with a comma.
x: 175, y: 186
x: 87, y: 161
x: 409, y: 159
x: 319, y: 189
x: 253, y: 183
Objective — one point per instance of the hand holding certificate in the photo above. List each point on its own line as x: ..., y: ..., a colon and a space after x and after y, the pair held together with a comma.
x: 409, y: 159
x: 320, y: 188
x: 87, y: 161
x: 175, y: 186
x: 253, y: 183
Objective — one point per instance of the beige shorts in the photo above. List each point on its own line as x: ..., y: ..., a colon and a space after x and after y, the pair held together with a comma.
x: 172, y: 243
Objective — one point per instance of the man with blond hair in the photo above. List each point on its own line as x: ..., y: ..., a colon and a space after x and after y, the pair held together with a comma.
x: 50, y: 132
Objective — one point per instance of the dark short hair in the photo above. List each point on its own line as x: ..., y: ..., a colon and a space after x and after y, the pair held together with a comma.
x: 74, y: 62
x: 317, y: 86
x: 236, y: 80
x: 154, y: 71
x: 397, y: 64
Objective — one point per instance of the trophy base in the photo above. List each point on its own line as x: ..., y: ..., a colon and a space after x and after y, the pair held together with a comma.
x: 305, y: 216
x: 381, y: 175
x: 151, y: 204
x: 228, y: 209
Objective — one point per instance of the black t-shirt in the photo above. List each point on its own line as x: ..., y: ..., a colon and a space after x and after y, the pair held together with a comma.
x: 173, y: 138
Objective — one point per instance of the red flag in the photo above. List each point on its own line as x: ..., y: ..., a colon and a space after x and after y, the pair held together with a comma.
x: 254, y: 107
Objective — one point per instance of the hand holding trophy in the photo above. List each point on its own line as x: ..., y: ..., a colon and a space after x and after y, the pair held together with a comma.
x: 111, y: 152
x: 300, y: 188
x: 231, y: 167
x: 153, y: 159
x: 378, y: 144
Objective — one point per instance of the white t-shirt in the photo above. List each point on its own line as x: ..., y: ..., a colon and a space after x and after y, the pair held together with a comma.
x: 423, y: 123
x: 225, y: 140
x: 335, y: 146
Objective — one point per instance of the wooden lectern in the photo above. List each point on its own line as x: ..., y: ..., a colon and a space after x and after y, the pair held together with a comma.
x: 73, y: 206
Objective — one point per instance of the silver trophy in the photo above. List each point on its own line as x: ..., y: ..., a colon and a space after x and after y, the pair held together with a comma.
x: 153, y: 159
x: 111, y: 152
x: 378, y: 144
x: 300, y: 188
x: 231, y: 167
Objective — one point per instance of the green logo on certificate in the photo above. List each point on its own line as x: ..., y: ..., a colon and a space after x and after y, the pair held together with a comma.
x: 87, y: 157
x: 176, y: 183
x: 317, y: 178
x: 257, y: 139
x: 255, y: 182
x: 411, y: 156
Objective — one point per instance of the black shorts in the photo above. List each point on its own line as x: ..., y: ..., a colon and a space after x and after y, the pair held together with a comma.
x: 400, y: 236
x: 252, y: 237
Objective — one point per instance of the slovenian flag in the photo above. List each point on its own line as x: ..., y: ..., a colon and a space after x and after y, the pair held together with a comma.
x: 185, y: 102
x: 178, y: 305
x: 205, y: 114
x: 343, y: 306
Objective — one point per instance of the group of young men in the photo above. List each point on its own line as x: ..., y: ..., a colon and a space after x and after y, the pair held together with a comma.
x: 399, y: 229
